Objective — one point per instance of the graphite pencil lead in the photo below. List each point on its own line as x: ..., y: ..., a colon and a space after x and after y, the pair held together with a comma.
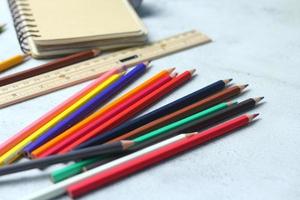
x: 170, y: 70
x: 252, y: 116
x: 226, y: 81
x: 127, y: 144
x: 258, y: 99
x: 242, y: 87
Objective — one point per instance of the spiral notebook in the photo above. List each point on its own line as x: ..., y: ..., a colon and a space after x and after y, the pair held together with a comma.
x: 48, y: 28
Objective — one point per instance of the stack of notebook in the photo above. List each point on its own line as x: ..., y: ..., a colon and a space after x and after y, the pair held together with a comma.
x: 56, y: 27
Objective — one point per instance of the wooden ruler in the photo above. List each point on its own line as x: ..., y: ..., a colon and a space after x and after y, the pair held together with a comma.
x: 90, y: 69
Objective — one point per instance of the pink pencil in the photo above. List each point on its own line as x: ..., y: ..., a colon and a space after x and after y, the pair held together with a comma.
x: 12, y: 141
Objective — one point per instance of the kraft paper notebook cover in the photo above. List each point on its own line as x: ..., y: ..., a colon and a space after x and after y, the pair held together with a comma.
x: 49, y: 28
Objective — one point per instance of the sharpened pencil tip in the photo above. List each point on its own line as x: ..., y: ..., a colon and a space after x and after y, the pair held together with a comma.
x: 253, y: 116
x: 96, y: 51
x: 173, y: 74
x: 242, y: 87
x: 127, y: 144
x: 190, y: 134
x: 26, y: 56
x: 148, y: 62
x: 171, y: 69
x: 258, y: 99
x: 226, y: 81
x: 192, y: 71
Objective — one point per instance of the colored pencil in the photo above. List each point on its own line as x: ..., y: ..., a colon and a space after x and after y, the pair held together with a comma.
x: 77, y: 139
x: 178, y: 125
x: 18, y: 148
x: 181, y: 113
x: 46, y: 149
x: 106, y: 116
x: 87, y: 108
x: 190, y: 141
x: 195, y: 125
x: 60, y: 188
x: 50, y: 66
x: 168, y: 108
x: 13, y: 61
x: 76, y: 168
x: 113, y: 148
x: 11, y: 142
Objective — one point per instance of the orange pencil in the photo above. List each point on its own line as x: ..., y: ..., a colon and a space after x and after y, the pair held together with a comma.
x: 79, y: 137
x: 27, y: 131
x: 46, y: 149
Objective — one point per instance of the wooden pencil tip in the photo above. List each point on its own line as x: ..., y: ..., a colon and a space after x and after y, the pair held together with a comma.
x: 173, y: 74
x: 96, y: 51
x: 253, y: 116
x: 192, y: 71
x: 190, y: 134
x: 127, y: 144
x: 226, y: 81
x: 258, y: 99
x: 148, y: 62
x: 26, y: 56
x: 171, y: 69
x: 242, y: 87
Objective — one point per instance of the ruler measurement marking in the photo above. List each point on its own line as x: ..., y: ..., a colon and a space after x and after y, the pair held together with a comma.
x: 87, y: 70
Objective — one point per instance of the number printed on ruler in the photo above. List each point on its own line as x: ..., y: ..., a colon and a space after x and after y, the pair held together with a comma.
x: 90, y: 69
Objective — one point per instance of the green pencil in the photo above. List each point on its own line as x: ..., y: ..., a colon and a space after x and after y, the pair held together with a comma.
x: 181, y: 122
x: 76, y: 168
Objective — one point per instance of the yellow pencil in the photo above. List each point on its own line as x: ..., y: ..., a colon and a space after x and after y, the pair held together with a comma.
x: 13, y: 61
x: 11, y: 155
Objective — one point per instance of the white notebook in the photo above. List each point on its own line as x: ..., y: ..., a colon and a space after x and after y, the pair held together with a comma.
x: 48, y: 28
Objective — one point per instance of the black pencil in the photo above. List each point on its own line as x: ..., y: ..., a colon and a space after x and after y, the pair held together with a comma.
x: 205, y: 122
x: 158, y: 113
x: 196, y: 125
x: 105, y: 149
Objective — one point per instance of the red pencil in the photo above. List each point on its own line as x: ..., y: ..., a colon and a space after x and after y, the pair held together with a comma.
x: 77, y: 138
x: 107, y: 115
x: 131, y: 166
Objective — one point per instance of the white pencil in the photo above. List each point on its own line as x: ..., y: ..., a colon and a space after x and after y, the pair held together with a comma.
x: 60, y: 188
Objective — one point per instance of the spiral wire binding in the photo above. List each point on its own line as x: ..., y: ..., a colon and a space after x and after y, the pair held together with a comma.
x: 23, y: 22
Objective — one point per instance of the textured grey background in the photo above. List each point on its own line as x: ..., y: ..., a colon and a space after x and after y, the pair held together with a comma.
x: 255, y: 42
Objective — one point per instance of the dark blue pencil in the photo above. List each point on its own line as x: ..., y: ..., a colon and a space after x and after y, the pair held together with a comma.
x: 160, y: 112
x: 87, y: 108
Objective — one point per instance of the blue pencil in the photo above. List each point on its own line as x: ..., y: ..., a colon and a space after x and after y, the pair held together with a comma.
x: 160, y: 112
x: 87, y: 108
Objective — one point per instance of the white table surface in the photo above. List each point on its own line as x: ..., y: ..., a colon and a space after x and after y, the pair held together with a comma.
x: 255, y: 42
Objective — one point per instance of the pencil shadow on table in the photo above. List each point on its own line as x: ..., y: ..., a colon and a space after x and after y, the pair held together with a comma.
x: 8, y: 179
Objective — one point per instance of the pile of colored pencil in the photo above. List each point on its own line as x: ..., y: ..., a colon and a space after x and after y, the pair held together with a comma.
x: 108, y: 140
